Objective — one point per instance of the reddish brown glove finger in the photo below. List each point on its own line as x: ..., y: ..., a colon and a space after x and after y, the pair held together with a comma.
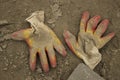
x: 105, y: 39
x: 92, y: 23
x: 84, y: 21
x: 43, y: 60
x: 32, y: 59
x: 101, y: 28
x: 22, y: 34
x: 51, y: 55
x: 70, y: 40
x: 59, y: 47
x: 73, y: 44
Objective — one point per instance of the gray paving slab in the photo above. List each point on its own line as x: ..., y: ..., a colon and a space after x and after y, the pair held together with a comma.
x: 83, y: 72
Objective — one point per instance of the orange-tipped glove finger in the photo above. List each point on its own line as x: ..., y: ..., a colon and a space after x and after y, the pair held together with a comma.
x: 70, y: 40
x: 100, y: 31
x: 22, y: 34
x: 59, y: 47
x: 33, y: 59
x: 106, y: 39
x: 92, y: 23
x: 101, y: 28
x: 43, y: 60
x: 84, y: 21
x: 73, y: 44
x: 51, y: 55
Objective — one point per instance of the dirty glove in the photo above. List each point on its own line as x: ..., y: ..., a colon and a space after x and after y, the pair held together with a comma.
x: 89, y: 40
x: 42, y: 40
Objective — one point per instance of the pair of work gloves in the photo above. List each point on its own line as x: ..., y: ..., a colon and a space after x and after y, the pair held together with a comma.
x: 42, y: 40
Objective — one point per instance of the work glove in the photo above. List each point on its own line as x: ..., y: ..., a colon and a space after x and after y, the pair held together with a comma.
x: 89, y: 40
x: 41, y: 40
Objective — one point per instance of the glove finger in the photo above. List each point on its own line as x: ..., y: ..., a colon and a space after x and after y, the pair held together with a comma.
x: 43, y: 60
x: 105, y: 39
x: 101, y: 28
x: 59, y: 47
x: 92, y: 23
x: 22, y: 34
x: 51, y: 55
x: 84, y: 21
x: 70, y: 40
x: 32, y: 59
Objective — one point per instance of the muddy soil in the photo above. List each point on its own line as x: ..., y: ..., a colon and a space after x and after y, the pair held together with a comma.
x: 59, y: 15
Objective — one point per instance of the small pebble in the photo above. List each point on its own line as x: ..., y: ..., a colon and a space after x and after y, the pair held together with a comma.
x: 29, y: 73
x: 103, y: 71
x: 38, y: 79
x: 48, y: 78
x: 1, y: 49
x: 9, y: 11
x: 59, y: 72
x: 11, y: 72
x: 42, y: 75
x: 39, y: 70
x: 3, y: 22
x: 6, y: 64
x: 14, y: 66
x: 4, y: 46
x: 66, y: 63
x: 11, y: 63
x: 118, y: 14
x: 16, y: 57
x: 5, y: 58
x: 52, y: 26
x: 11, y: 55
x: 18, y: 53
x: 4, y: 69
x: 50, y: 21
x: 23, y: 56
x: 28, y: 78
